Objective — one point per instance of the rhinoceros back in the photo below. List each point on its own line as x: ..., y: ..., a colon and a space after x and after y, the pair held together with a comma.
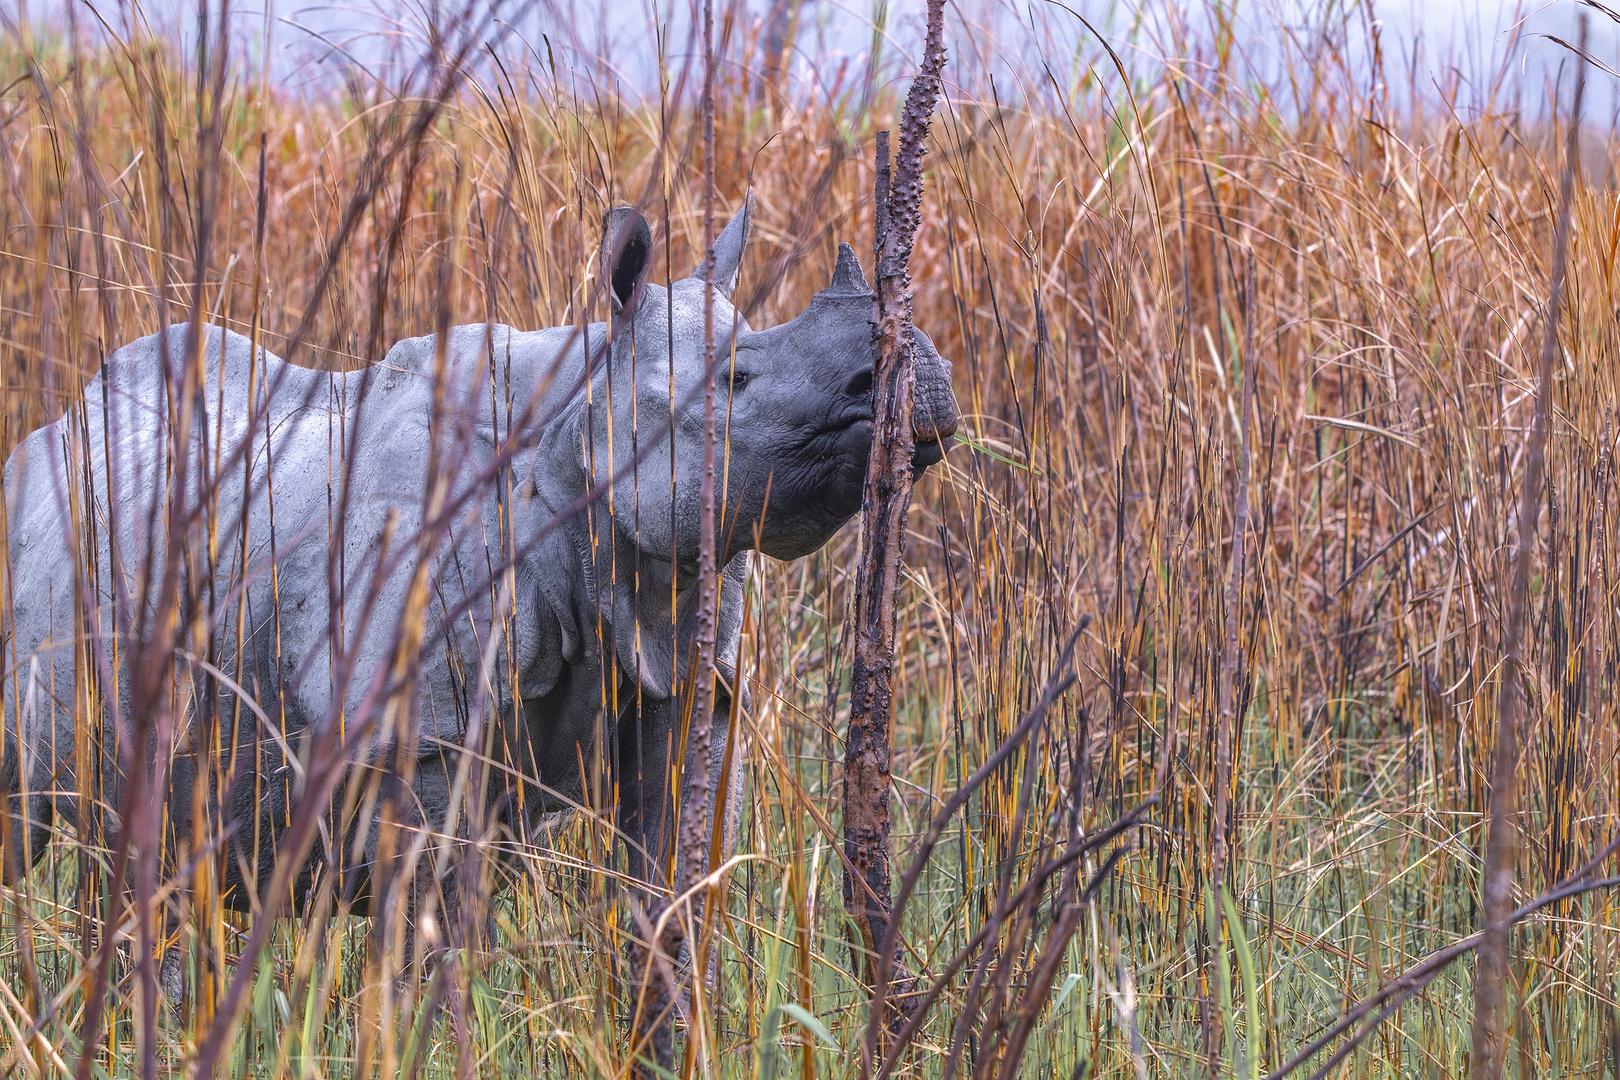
x: 88, y: 501
x: 270, y: 446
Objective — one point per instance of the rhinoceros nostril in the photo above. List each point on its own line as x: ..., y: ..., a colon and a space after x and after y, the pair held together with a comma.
x: 861, y: 384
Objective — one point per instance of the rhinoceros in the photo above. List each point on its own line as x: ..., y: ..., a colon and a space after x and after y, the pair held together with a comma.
x: 480, y: 549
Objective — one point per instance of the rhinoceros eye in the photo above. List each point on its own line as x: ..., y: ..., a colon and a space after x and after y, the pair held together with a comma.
x: 739, y: 379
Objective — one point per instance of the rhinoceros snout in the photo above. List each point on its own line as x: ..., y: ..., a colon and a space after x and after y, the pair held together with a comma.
x: 836, y: 334
x: 933, y: 404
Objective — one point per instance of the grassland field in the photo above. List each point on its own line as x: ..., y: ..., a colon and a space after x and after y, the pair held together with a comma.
x: 1247, y: 373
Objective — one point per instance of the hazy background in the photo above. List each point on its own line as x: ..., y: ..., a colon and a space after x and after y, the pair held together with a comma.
x: 1470, y: 53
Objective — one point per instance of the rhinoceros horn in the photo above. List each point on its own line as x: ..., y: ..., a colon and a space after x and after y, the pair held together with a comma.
x: 933, y: 411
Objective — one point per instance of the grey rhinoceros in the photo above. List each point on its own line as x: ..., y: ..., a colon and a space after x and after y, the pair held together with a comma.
x: 481, y: 550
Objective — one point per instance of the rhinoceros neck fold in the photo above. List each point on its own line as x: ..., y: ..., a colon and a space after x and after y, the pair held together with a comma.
x: 622, y: 590
x: 644, y: 603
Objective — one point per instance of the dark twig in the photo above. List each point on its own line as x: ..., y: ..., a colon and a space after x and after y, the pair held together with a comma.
x: 691, y: 844
x: 1060, y: 680
x: 1501, y: 852
x: 886, y: 503
x: 918, y: 1012
x: 1421, y: 974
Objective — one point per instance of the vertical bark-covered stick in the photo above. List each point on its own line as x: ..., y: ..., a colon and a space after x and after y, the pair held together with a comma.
x: 1501, y: 848
x: 883, y: 523
x: 695, y: 779
x: 694, y: 815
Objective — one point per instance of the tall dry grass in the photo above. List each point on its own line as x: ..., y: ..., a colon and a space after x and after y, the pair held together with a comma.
x: 1190, y: 316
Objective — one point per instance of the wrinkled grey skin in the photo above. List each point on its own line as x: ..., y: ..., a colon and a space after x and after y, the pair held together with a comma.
x: 799, y: 424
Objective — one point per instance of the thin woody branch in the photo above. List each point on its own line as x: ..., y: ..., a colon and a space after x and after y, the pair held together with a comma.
x: 886, y: 504
x: 1491, y: 975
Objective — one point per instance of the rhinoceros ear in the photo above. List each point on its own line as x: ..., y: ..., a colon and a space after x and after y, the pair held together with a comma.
x: 728, y: 248
x: 626, y: 256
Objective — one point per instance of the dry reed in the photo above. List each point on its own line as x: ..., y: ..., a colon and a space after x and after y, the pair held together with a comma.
x: 1247, y: 375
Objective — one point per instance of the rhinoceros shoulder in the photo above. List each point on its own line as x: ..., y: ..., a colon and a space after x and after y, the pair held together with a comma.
x: 496, y: 369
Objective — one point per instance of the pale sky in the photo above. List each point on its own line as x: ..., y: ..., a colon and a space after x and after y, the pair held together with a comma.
x: 1433, y: 44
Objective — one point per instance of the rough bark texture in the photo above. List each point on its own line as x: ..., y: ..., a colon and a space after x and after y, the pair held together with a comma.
x: 883, y: 520
x: 1501, y: 851
x: 694, y: 834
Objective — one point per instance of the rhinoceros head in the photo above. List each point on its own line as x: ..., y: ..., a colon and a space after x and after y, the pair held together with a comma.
x: 793, y: 404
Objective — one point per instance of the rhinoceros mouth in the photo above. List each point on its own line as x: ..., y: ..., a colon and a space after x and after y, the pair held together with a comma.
x: 928, y: 452
x: 846, y: 433
x: 851, y: 420
x: 924, y: 454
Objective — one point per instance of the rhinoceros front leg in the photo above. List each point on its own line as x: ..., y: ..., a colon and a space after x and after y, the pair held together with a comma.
x: 648, y: 782
x: 647, y: 816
